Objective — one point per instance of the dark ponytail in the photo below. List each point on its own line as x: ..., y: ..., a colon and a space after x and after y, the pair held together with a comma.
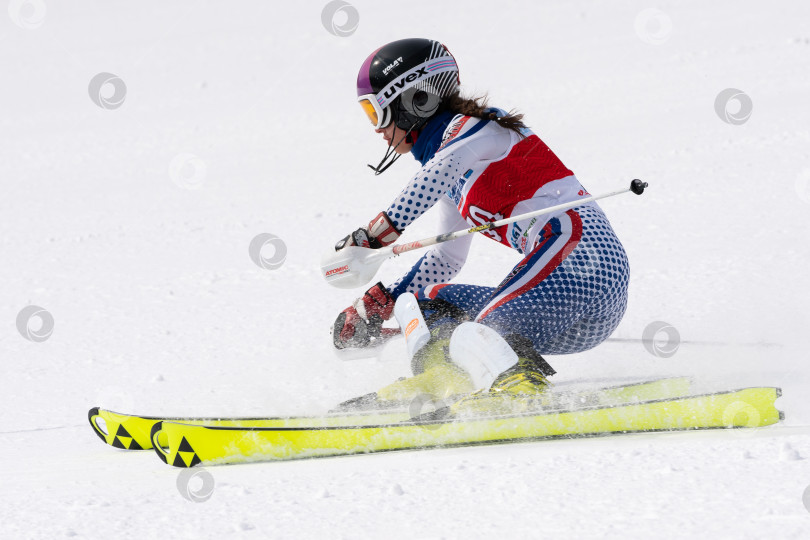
x: 477, y: 106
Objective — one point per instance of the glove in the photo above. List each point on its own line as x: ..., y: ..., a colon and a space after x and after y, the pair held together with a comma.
x: 357, y: 324
x: 379, y: 233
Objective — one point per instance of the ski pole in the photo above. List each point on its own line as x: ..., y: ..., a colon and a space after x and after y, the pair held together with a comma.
x: 354, y: 266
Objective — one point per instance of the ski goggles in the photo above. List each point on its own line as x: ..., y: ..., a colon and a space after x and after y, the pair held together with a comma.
x: 378, y: 116
x: 377, y: 107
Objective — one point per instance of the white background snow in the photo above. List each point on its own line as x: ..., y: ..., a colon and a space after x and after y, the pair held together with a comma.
x: 131, y: 226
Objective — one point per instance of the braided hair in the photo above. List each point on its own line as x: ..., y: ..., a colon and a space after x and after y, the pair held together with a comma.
x: 477, y: 107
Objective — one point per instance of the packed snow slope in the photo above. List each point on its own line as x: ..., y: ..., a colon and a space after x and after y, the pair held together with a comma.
x: 128, y: 204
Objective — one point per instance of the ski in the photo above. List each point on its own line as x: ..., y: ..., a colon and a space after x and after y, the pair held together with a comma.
x: 133, y: 432
x: 186, y: 445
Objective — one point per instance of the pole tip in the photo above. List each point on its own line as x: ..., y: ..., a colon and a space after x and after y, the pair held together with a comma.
x: 637, y: 186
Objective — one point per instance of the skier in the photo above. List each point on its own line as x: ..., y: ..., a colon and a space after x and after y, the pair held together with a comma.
x: 479, y: 165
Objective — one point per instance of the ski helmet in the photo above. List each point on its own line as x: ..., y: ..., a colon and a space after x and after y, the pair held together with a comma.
x: 405, y: 82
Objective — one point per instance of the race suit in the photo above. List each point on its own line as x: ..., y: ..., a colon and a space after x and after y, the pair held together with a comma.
x: 569, y: 292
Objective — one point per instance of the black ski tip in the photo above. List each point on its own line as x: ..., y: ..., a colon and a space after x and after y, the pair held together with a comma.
x: 366, y: 401
x: 439, y: 415
x: 637, y: 186
x: 153, y: 436
x: 91, y: 415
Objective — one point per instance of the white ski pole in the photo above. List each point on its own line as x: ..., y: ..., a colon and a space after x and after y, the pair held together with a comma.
x: 355, y: 266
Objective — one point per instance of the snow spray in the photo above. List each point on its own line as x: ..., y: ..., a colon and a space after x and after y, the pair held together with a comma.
x: 413, y: 325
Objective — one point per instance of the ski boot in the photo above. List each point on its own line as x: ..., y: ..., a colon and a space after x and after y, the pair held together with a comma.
x: 524, y: 380
x: 529, y: 376
x: 434, y: 375
x: 512, y: 376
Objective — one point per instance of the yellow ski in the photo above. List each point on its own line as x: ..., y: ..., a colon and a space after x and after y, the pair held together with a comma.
x: 187, y: 445
x: 132, y: 432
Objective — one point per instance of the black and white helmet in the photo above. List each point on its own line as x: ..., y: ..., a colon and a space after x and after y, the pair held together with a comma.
x: 405, y: 82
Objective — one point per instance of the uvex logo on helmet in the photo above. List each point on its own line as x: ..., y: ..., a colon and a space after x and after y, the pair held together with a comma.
x: 426, y: 71
x: 400, y: 84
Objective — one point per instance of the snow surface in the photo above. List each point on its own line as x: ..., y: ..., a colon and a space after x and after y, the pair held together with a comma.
x: 139, y: 251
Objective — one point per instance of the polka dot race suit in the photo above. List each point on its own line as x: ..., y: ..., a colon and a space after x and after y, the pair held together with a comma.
x: 568, y: 293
